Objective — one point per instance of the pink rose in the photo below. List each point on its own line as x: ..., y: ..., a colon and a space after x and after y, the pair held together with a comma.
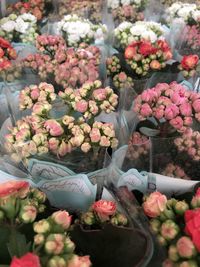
x: 85, y: 147
x: 148, y: 95
x: 35, y: 94
x: 14, y: 188
x: 171, y: 112
x: 81, y: 106
x: 185, y: 247
x: 155, y: 204
x: 178, y: 97
x: 53, y: 127
x: 186, y: 109
x: 104, y: 209
x: 95, y: 135
x: 187, y: 121
x: 77, y: 261
x: 196, y: 105
x: 62, y: 218
x: 28, y: 260
x: 159, y: 113
x: 177, y: 123
x: 146, y: 110
x: 99, y: 94
x: 64, y: 148
x: 105, y: 141
x: 53, y: 144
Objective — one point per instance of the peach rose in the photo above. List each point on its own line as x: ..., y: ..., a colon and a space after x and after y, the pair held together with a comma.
x: 62, y: 218
x: 14, y: 188
x: 77, y: 261
x: 104, y: 209
x: 155, y: 204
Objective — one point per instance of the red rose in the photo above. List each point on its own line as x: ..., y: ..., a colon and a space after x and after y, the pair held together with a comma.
x: 28, y: 260
x: 192, y: 226
x: 12, y: 53
x: 18, y: 188
x: 104, y: 209
x: 26, y: 5
x: 146, y: 49
x: 163, y: 45
x: 4, y: 43
x: 1, y: 52
x: 130, y: 52
x: 189, y: 62
x: 5, y: 64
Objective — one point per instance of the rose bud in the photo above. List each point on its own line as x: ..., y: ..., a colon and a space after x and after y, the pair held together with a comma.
x: 88, y: 218
x: 167, y: 214
x: 114, y: 221
x: 57, y: 261
x: 173, y: 253
x: 195, y: 203
x: 169, y: 230
x: 190, y: 263
x: 69, y: 246
x: 9, y: 207
x: 41, y: 227
x: 62, y: 218
x: 41, y: 208
x: 155, y: 204
x: 130, y: 52
x: 181, y: 207
x: 162, y: 241
x: 28, y: 213
x: 121, y: 218
x: 171, y: 202
x: 54, y: 244
x: 39, y: 195
x: 79, y: 261
x: 155, y: 65
x: 185, y: 247
x: 39, y: 239
x: 155, y: 225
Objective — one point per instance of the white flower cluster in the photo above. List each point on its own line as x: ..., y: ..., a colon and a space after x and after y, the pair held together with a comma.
x: 112, y: 4
x: 127, y: 32
x: 22, y: 27
x: 184, y: 11
x: 76, y: 30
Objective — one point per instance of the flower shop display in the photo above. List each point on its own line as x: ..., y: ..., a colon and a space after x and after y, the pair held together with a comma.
x: 76, y: 30
x: 168, y: 113
x: 175, y: 224
x: 19, y: 28
x: 60, y: 65
x: 38, y: 8
x: 131, y: 10
x: 86, y: 9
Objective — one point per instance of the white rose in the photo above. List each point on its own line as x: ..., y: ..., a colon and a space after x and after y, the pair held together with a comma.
x: 196, y: 15
x: 9, y: 26
x: 125, y: 2
x: 28, y: 17
x: 149, y: 35
x: 21, y: 26
x: 124, y: 25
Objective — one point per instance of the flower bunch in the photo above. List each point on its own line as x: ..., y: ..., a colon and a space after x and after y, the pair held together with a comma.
x: 173, y: 170
x: 68, y: 67
x: 189, y: 65
x: 138, y: 146
x: 41, y: 134
x: 19, y: 203
x: 171, y: 105
x: 103, y: 211
x: 21, y: 28
x: 175, y: 224
x: 189, y: 142
x: 76, y: 30
x: 186, y: 12
x: 91, y: 8
x: 128, y: 10
x: 35, y: 7
x: 128, y: 32
x: 144, y: 57
x: 121, y: 80
x: 190, y: 37
x: 52, y: 243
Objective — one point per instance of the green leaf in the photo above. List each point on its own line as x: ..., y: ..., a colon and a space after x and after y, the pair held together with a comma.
x: 17, y: 245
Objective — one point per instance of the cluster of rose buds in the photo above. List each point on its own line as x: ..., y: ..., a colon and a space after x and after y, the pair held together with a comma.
x: 169, y: 103
x: 138, y: 146
x: 40, y: 134
x: 190, y: 37
x: 103, y: 211
x: 113, y: 65
x: 127, y: 13
x: 35, y: 7
x: 144, y: 57
x: 19, y: 203
x: 91, y: 9
x: 121, y: 80
x: 189, y: 65
x: 7, y: 53
x: 189, y: 142
x: 36, y: 93
x: 173, y: 170
x: 53, y: 244
x: 67, y: 67
x: 91, y: 99
x: 182, y: 243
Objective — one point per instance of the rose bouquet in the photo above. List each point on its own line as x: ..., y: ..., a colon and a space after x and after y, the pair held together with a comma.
x: 67, y: 67
x: 130, y: 10
x: 167, y: 112
x: 76, y: 30
x: 175, y: 224
x: 22, y: 28
x: 189, y: 65
x: 91, y: 9
x: 35, y: 7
